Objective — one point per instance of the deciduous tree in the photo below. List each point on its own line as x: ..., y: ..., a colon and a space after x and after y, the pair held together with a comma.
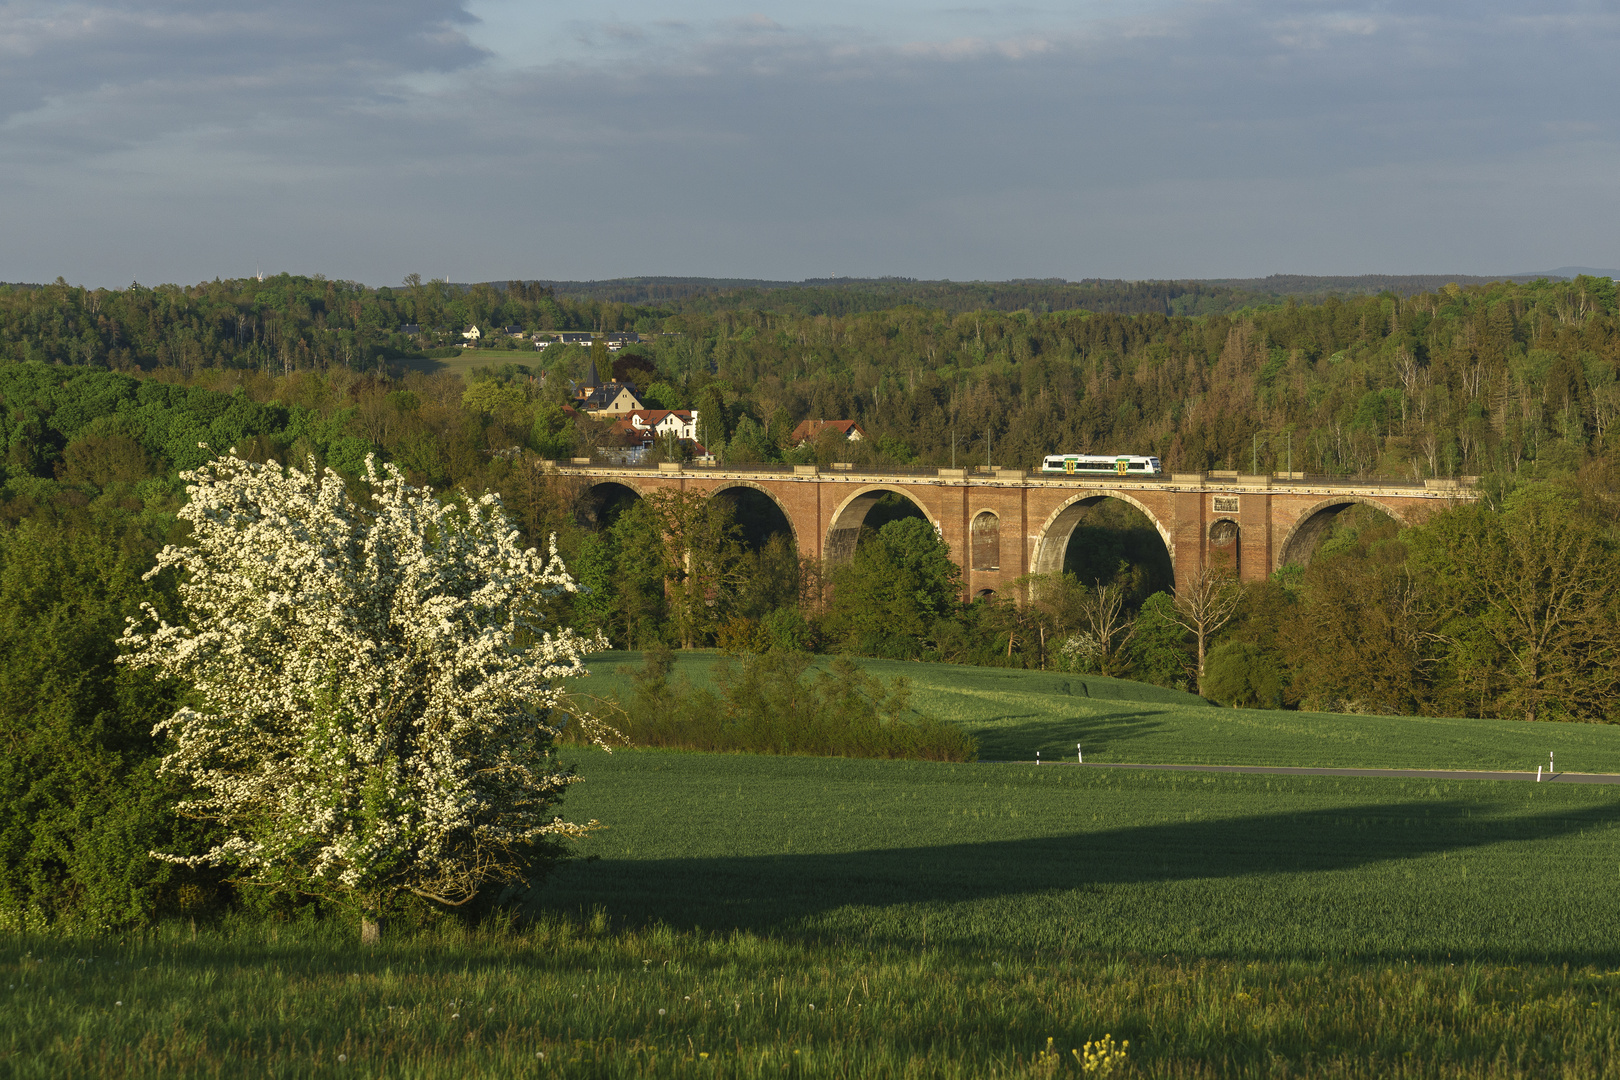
x: 374, y: 686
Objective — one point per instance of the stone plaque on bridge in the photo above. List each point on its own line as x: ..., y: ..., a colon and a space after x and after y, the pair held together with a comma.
x: 1226, y: 504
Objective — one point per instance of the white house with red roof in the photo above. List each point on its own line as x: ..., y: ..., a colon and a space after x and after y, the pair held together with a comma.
x: 681, y: 423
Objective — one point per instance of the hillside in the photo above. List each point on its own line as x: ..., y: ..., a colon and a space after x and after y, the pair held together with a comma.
x: 1014, y: 713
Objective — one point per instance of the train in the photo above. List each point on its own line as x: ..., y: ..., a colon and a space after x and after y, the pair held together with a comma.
x: 1098, y: 464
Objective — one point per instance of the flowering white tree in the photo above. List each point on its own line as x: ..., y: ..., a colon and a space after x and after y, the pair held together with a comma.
x: 375, y: 686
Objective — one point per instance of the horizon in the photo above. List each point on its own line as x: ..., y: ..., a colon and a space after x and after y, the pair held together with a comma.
x: 1564, y: 273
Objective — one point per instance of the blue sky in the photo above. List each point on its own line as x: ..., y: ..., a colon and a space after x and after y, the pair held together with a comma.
x: 179, y: 140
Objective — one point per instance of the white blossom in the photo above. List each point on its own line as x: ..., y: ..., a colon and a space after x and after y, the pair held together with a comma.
x: 375, y: 688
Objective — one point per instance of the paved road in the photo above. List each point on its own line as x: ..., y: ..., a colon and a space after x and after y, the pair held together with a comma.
x: 1409, y: 774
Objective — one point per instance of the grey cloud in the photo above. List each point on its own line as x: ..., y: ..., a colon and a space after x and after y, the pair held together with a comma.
x: 270, y: 57
x: 1207, y: 138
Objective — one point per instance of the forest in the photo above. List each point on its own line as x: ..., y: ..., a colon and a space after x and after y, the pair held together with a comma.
x: 1502, y: 608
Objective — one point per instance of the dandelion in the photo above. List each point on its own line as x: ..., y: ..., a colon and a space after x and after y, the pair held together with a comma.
x: 703, y: 1053
x: 455, y: 1016
x: 118, y: 1003
x: 812, y: 1008
x: 660, y: 1012
x: 342, y: 1058
x: 541, y: 1056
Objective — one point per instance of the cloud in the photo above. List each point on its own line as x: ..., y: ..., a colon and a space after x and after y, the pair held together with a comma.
x: 1211, y: 137
x: 140, y: 70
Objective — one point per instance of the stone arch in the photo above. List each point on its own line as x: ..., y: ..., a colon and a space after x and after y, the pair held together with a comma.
x: 732, y: 485
x: 985, y: 594
x: 1313, y: 523
x: 984, y: 541
x: 1052, y: 542
x: 598, y: 493
x: 845, y: 530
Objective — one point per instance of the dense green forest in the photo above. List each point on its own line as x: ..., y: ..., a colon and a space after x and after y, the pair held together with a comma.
x: 1502, y: 378
x: 1509, y: 608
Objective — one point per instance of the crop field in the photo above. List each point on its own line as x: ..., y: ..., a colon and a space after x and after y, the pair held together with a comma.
x: 1020, y: 859
x: 792, y: 916
x: 752, y: 916
x: 1015, y: 713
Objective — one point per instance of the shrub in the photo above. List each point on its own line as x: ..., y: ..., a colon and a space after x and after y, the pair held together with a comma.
x: 1244, y: 675
x: 778, y: 703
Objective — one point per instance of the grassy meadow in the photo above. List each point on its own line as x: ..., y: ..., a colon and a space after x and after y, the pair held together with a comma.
x: 1015, y: 713
x: 752, y: 916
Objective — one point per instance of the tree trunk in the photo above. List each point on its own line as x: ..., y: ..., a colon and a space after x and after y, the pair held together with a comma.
x: 370, y: 930
x: 1201, y: 639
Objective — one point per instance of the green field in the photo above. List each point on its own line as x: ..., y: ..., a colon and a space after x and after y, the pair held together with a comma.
x: 1015, y: 713
x: 746, y: 916
x: 792, y: 916
x: 1026, y: 860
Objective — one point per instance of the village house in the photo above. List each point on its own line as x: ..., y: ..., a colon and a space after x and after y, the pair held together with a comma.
x: 807, y: 430
x: 472, y: 335
x: 637, y: 443
x: 681, y: 423
x: 611, y: 400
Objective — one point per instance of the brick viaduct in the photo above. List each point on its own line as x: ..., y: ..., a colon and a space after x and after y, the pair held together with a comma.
x: 1004, y: 523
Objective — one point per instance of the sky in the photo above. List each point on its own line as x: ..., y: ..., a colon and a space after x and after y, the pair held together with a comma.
x: 182, y: 140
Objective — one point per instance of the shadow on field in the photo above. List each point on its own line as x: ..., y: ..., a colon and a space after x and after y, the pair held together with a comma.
x: 777, y: 893
x: 1017, y: 737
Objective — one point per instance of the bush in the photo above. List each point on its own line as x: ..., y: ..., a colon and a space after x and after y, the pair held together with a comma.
x: 1157, y: 653
x: 776, y: 703
x: 1244, y: 675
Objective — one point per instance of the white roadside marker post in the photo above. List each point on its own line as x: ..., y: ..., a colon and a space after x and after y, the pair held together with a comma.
x: 1538, y: 774
x: 1037, y: 757
x: 1079, y: 755
x: 1549, y: 764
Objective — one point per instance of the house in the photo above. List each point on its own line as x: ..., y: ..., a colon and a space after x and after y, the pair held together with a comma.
x: 610, y: 400
x: 472, y: 335
x: 638, y: 443
x: 574, y: 339
x: 615, y: 342
x: 807, y: 430
x: 681, y: 423
x: 632, y: 445
x: 514, y: 331
x: 410, y: 329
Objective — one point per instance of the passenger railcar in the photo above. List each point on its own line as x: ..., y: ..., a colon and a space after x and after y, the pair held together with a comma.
x: 1099, y: 464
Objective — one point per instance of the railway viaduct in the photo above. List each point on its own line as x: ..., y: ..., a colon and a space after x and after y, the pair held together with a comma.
x: 1003, y: 523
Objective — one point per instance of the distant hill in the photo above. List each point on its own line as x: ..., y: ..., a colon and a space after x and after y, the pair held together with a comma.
x: 848, y: 296
x: 1577, y: 271
x: 1372, y: 284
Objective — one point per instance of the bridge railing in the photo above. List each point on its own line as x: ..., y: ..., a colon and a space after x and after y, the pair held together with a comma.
x: 980, y: 472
